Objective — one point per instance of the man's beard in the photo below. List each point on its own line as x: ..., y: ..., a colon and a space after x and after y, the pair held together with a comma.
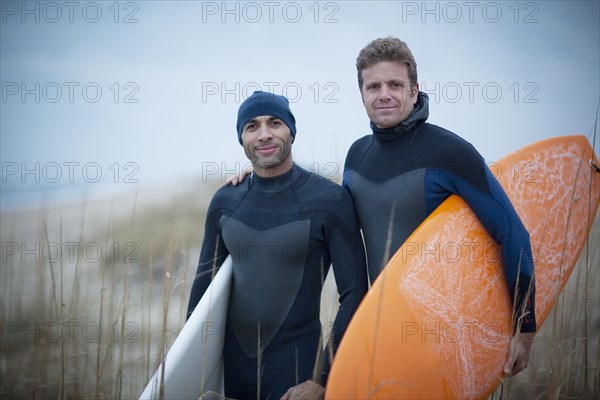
x: 272, y: 161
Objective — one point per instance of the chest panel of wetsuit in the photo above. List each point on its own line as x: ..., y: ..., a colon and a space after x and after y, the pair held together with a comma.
x: 375, y: 211
x: 268, y: 269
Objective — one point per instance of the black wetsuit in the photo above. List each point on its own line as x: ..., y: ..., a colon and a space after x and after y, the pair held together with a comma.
x: 412, y: 168
x: 282, y: 233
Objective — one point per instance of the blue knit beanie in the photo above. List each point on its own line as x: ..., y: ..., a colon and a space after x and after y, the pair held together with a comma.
x: 265, y: 103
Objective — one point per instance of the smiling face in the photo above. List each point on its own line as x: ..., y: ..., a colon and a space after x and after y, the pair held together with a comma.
x: 267, y: 143
x: 388, y: 95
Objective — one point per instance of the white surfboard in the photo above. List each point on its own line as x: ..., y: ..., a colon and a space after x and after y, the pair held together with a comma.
x: 193, y: 366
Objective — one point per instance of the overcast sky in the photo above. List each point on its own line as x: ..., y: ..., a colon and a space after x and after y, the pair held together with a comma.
x: 110, y: 93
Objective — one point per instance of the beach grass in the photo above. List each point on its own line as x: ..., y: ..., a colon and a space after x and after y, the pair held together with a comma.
x: 94, y: 293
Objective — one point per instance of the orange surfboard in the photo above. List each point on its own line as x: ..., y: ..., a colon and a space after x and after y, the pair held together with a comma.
x: 436, y: 323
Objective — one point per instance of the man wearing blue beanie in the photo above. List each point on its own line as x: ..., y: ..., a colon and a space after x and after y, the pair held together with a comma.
x: 269, y: 149
x: 264, y: 103
x: 283, y: 228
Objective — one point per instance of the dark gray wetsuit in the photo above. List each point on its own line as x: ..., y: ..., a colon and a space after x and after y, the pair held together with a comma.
x: 412, y: 168
x: 282, y: 234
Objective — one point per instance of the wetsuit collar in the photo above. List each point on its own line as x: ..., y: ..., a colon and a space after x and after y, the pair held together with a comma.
x: 418, y: 115
x: 275, y: 183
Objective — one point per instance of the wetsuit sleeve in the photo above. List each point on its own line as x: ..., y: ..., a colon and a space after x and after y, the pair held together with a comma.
x: 497, y: 214
x: 212, y: 255
x: 349, y: 266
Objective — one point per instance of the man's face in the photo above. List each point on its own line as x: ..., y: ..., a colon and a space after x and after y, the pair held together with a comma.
x: 267, y: 143
x: 387, y: 93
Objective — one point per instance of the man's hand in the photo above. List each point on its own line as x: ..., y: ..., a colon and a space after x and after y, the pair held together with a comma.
x: 518, y: 353
x: 239, y: 178
x: 308, y: 390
